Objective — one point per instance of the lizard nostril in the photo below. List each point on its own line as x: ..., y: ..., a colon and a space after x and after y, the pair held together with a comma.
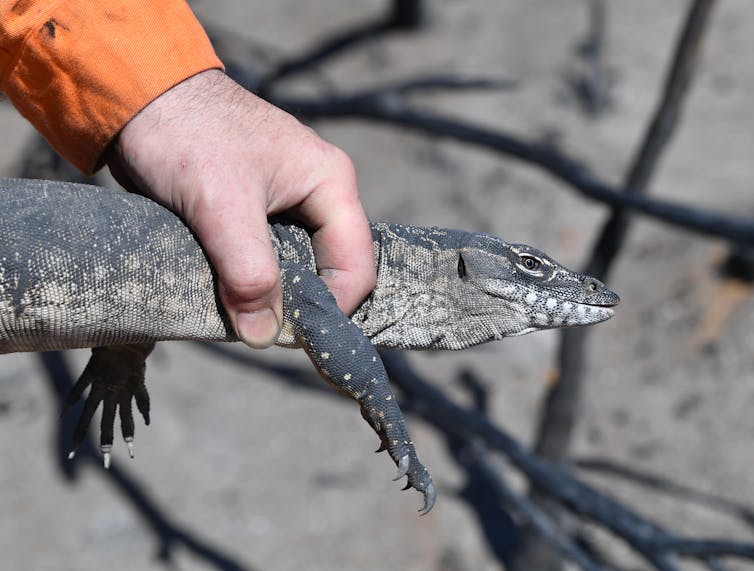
x: 592, y: 285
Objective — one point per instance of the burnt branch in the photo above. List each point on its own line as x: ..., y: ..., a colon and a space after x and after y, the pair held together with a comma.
x: 658, y: 546
x: 560, y: 411
x: 387, y: 107
x: 475, y: 438
x: 659, y: 132
x: 665, y: 486
x: 385, y: 104
x: 527, y: 512
x: 561, y: 406
x: 403, y: 15
x: 593, y: 86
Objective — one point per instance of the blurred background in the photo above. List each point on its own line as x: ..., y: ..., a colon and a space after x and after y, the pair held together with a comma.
x: 249, y: 465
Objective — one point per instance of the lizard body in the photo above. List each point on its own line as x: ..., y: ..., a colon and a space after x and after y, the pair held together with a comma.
x: 82, y: 266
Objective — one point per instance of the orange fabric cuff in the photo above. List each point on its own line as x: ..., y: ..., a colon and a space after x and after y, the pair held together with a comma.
x: 79, y: 70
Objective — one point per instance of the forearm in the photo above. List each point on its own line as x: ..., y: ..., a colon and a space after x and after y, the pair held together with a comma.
x: 80, y: 70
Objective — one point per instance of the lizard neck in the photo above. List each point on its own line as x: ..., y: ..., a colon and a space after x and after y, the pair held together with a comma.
x: 411, y: 266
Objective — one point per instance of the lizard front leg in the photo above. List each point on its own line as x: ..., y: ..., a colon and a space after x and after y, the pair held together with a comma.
x: 346, y: 358
x: 116, y: 376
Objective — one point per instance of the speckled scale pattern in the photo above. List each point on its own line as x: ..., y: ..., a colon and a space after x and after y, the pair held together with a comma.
x: 346, y: 359
x: 82, y: 266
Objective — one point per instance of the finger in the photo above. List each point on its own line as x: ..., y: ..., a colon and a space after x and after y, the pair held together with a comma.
x: 107, y: 422
x: 342, y: 239
x: 126, y: 417
x: 345, y: 260
x: 231, y: 224
x: 141, y: 396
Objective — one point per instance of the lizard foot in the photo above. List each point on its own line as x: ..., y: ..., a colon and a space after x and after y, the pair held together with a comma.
x: 395, y: 440
x: 116, y: 376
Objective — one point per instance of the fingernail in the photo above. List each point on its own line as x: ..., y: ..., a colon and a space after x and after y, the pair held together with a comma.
x: 258, y: 329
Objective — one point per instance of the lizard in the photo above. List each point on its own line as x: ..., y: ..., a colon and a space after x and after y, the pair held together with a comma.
x: 84, y: 266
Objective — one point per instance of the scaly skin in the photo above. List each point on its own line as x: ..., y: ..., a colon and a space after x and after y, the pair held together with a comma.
x: 82, y: 266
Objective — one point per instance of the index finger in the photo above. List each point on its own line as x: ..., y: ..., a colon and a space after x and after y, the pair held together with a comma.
x: 342, y: 239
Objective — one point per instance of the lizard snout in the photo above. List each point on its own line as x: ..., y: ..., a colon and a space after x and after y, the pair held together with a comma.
x: 597, y: 293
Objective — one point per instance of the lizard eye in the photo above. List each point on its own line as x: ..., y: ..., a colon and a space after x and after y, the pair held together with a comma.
x: 530, y: 263
x: 461, y: 267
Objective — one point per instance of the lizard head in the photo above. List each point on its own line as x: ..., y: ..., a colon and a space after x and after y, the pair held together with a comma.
x: 524, y: 290
x: 447, y: 289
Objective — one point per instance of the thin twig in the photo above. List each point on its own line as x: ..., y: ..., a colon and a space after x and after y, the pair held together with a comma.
x: 383, y: 104
x: 530, y: 514
x: 595, y: 79
x: 663, y: 485
x: 655, y: 543
x: 562, y: 403
x: 403, y: 15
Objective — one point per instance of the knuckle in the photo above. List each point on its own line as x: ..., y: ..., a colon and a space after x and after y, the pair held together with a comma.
x: 266, y: 281
x: 255, y: 286
x: 343, y: 161
x: 343, y: 172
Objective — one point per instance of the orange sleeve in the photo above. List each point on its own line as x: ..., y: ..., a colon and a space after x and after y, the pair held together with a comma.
x: 79, y: 70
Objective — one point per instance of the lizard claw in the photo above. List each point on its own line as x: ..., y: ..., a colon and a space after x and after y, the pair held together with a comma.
x: 106, y: 449
x: 429, y: 499
x: 396, y: 441
x: 403, y: 465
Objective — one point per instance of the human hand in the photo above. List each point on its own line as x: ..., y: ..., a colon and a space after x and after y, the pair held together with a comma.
x: 224, y: 159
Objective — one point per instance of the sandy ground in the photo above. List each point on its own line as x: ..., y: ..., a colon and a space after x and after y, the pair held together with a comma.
x: 283, y: 479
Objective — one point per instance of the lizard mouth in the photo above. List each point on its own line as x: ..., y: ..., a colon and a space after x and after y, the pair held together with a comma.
x: 581, y: 313
x: 604, y: 298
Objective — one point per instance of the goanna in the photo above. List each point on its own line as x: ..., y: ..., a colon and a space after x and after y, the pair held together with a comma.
x: 82, y: 266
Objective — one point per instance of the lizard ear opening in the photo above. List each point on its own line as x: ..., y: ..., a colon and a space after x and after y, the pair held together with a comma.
x: 461, y: 267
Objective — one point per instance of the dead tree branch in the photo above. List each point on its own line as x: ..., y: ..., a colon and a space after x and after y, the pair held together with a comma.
x: 559, y: 415
x: 479, y: 436
x: 385, y: 107
x: 384, y: 104
x: 663, y: 485
x: 403, y: 15
x: 561, y: 406
x: 657, y: 545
